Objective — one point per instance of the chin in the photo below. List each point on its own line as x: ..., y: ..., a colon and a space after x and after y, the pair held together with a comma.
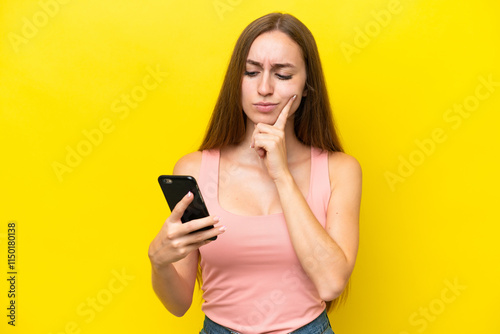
x: 263, y: 118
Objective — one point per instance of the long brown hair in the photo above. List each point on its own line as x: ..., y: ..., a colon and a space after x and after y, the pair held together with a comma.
x: 313, y: 120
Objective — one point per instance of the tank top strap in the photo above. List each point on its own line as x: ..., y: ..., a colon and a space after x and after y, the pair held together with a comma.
x: 320, y: 184
x: 208, y: 179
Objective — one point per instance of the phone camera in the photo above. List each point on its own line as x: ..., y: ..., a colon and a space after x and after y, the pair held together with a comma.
x: 167, y: 181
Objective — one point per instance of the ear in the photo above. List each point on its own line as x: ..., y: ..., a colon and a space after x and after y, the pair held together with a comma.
x: 304, y: 92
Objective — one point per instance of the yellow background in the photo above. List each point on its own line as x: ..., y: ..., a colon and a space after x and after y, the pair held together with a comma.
x: 436, y: 226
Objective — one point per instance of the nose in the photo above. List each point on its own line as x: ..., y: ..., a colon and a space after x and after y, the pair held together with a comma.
x: 265, y: 85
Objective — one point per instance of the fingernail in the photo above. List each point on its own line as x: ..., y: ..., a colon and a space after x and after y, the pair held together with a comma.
x: 189, y: 194
x: 294, y: 97
x: 222, y: 228
x: 216, y: 218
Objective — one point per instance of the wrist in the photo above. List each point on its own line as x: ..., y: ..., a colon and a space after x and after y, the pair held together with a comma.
x: 161, y: 269
x: 284, y: 181
x: 159, y: 265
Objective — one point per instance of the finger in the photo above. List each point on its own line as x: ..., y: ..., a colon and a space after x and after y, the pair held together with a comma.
x: 181, y: 206
x: 281, y: 121
x: 198, y: 239
x: 264, y: 130
x: 202, y: 236
x: 197, y: 245
x: 255, y: 131
x: 268, y: 141
x: 261, y: 152
x: 191, y: 232
x: 196, y: 224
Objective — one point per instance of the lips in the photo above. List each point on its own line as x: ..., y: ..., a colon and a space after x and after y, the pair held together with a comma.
x: 265, y: 106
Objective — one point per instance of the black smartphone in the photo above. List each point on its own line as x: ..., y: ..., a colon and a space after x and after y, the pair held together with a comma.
x: 175, y: 187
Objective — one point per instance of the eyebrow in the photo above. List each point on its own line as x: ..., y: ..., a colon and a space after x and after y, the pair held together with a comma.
x: 256, y: 63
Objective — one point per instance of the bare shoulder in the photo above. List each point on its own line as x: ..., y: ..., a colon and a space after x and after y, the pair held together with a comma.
x: 189, y: 164
x: 343, y: 168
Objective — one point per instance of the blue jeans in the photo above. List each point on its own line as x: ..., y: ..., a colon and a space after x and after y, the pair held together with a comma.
x: 320, y: 325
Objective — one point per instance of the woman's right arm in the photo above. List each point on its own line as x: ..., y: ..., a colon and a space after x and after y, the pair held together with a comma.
x: 174, y: 251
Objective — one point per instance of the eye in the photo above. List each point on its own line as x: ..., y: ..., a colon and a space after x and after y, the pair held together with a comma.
x: 283, y: 77
x: 250, y: 74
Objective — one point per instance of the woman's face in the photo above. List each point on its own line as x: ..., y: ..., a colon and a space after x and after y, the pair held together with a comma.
x: 275, y: 71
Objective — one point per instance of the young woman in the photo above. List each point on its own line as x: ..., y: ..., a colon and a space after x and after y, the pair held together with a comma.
x: 283, y: 197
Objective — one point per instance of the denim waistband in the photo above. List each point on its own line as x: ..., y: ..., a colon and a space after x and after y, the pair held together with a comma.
x: 317, y: 326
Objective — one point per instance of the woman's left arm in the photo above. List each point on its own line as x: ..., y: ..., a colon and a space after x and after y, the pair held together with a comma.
x: 327, y: 254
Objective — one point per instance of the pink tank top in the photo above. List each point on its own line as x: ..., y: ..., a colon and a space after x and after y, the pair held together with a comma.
x: 252, y: 279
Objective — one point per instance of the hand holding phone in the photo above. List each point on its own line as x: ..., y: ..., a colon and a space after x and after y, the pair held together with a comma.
x: 182, y: 233
x: 175, y: 187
